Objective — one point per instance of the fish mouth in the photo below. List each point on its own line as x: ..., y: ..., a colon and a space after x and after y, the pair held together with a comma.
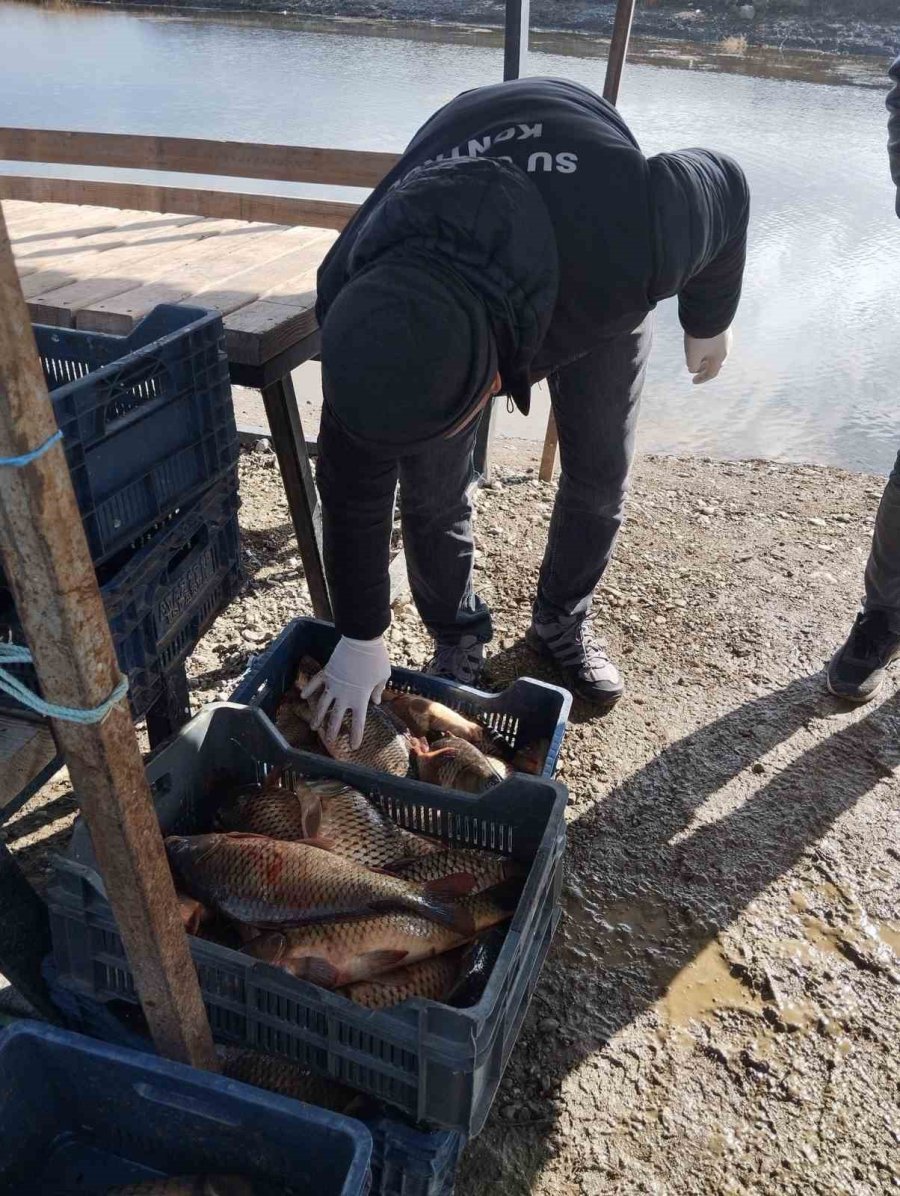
x: 180, y: 850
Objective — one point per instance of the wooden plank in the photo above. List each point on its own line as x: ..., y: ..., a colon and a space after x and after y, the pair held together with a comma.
x: 54, y: 295
x: 26, y: 748
x: 133, y: 226
x: 48, y: 566
x: 180, y: 283
x: 259, y: 332
x: 47, y: 219
x: 296, y: 269
x: 235, y: 205
x: 233, y: 159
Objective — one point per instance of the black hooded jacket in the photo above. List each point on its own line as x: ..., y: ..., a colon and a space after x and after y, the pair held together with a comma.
x: 607, y: 234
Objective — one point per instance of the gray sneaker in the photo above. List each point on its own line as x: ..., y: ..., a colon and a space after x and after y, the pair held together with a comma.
x: 582, y: 658
x: 460, y: 662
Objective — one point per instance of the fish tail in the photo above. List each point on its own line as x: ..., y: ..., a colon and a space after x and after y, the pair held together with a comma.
x: 446, y: 913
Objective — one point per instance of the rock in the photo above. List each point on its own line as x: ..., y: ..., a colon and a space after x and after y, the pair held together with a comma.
x: 747, y: 12
x: 549, y: 1025
x: 254, y: 637
x: 262, y: 447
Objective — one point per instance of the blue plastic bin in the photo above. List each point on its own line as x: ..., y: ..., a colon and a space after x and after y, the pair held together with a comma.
x: 81, y: 1116
x: 163, y: 596
x: 406, y: 1161
x: 523, y: 714
x: 147, y: 419
x: 440, y: 1065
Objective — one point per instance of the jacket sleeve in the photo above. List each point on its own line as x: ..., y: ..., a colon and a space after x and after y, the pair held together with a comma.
x: 357, y: 495
x: 700, y: 205
x: 893, y: 104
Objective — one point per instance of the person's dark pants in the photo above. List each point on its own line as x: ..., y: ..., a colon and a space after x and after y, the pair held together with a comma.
x: 595, y: 401
x: 883, y: 567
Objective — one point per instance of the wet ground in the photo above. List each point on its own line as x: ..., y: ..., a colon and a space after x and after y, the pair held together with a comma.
x: 720, y: 1012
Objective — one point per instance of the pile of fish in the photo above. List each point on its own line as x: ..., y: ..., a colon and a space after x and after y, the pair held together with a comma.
x: 314, y: 878
x: 411, y: 735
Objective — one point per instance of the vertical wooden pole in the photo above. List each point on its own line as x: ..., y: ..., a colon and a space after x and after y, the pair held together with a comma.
x: 615, y: 65
x: 48, y: 565
x: 515, y: 37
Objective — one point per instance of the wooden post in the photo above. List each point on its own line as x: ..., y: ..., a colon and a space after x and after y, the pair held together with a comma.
x: 515, y: 37
x: 615, y: 64
x: 49, y: 568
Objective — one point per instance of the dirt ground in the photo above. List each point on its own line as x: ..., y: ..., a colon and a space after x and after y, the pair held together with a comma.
x: 721, y: 1010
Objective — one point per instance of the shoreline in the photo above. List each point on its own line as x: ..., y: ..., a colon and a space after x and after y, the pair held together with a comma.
x: 733, y: 34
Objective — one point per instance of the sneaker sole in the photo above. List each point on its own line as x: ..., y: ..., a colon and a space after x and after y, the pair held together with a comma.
x: 540, y: 649
x: 856, y: 699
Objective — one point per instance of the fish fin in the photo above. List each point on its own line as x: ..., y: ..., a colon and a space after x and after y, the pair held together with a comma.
x: 505, y: 895
x: 448, y: 888
x: 446, y: 913
x: 311, y: 814
x: 381, y: 960
x: 267, y: 947
x: 315, y: 969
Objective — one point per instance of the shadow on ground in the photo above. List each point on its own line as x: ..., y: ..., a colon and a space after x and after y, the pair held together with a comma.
x: 646, y: 894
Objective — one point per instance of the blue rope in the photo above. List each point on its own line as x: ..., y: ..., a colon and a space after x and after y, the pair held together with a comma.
x: 15, y: 654
x: 27, y: 458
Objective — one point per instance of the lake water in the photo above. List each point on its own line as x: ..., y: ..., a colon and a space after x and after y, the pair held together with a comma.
x: 817, y: 350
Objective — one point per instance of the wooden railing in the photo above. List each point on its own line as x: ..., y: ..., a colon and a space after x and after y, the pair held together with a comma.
x: 186, y: 155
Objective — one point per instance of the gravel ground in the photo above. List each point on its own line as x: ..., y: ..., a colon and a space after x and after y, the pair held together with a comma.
x: 720, y: 1012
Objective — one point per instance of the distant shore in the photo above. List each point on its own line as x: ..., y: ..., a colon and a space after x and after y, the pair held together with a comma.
x: 844, y: 34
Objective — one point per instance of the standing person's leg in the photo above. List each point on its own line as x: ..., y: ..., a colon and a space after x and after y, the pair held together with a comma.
x: 595, y: 401
x: 856, y: 670
x: 436, y: 516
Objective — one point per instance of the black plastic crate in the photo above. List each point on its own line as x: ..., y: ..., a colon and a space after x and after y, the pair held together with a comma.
x: 440, y: 1065
x: 80, y: 1116
x: 161, y: 597
x: 147, y: 419
x: 525, y: 712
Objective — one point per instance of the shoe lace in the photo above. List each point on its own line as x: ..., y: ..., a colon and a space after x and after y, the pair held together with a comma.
x: 581, y: 648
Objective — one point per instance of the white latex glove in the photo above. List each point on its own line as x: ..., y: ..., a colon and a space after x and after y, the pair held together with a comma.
x: 355, y: 675
x: 705, y: 356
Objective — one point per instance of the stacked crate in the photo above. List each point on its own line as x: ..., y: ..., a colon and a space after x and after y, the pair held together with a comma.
x: 150, y: 439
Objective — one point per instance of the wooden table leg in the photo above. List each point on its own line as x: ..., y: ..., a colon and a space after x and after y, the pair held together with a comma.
x: 296, y: 473
x: 171, y: 710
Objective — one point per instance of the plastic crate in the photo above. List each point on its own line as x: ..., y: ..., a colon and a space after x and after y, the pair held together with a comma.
x: 162, y: 597
x: 438, y: 1064
x: 405, y: 1161
x: 525, y: 712
x: 412, y: 1162
x: 81, y: 1116
x: 147, y: 419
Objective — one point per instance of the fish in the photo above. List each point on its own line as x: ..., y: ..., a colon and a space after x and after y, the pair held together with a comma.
x: 359, y: 831
x: 292, y: 720
x: 187, y: 1185
x: 277, y: 812
x: 454, y: 763
x: 384, y: 747
x: 432, y: 979
x: 271, y: 883
x: 433, y: 720
x: 475, y: 969
x: 283, y: 1078
x: 485, y: 868
x: 335, y: 954
x: 531, y: 759
x: 193, y: 913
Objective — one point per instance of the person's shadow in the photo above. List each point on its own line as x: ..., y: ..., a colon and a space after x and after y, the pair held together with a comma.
x: 645, y: 898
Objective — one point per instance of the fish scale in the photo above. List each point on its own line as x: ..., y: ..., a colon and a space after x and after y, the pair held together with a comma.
x: 432, y: 979
x: 361, y: 832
